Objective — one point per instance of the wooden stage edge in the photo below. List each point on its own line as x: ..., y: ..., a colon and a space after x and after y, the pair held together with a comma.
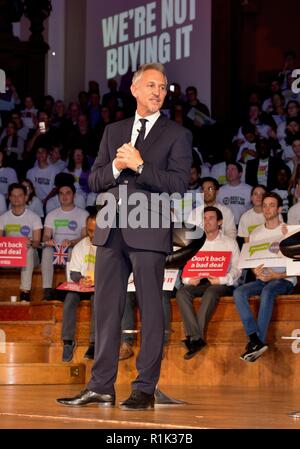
x: 35, y: 407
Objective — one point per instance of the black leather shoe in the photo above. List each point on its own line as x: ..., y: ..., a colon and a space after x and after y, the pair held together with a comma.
x: 195, y: 346
x: 87, y: 397
x: 138, y: 400
x: 90, y: 352
x: 186, y: 343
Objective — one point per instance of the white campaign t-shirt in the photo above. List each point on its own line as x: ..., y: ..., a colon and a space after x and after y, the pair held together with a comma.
x: 262, y: 233
x: 237, y: 198
x: 294, y: 215
x: 66, y: 224
x: 42, y: 180
x: 3, y: 207
x: 249, y: 221
x: 83, y: 258
x: 20, y: 225
x: 7, y: 176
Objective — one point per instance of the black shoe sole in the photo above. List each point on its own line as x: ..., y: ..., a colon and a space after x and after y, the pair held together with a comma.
x: 133, y: 409
x: 98, y: 404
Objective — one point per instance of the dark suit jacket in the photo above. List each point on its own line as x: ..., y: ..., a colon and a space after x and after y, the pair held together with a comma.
x: 251, y: 172
x: 167, y: 155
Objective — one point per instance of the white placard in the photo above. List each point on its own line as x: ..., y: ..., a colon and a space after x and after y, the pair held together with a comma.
x: 292, y: 267
x: 266, y: 252
x: 169, y: 281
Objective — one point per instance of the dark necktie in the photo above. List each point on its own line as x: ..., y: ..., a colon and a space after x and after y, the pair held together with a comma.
x: 141, y: 137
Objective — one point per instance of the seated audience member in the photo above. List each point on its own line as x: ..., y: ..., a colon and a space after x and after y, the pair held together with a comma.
x: 7, y: 174
x: 128, y: 323
x: 289, y: 65
x: 62, y: 179
x: 292, y: 111
x: 32, y: 201
x: 22, y: 130
x: 263, y: 169
x: 79, y: 167
x: 283, y: 177
x: 81, y: 271
x: 54, y: 158
x: 209, y: 288
x: 291, y: 132
x: 218, y: 170
x: 247, y: 150
x: 3, y: 207
x: 29, y: 113
x: 269, y: 283
x: 12, y: 145
x: 274, y: 89
x: 294, y: 211
x: 42, y: 176
x: 254, y: 216
x: 259, y: 119
x: 64, y: 226
x: 296, y: 158
x: 235, y: 194
x: 19, y: 221
x: 210, y: 189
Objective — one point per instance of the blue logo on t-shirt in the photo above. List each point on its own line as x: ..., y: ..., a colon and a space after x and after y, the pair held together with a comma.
x: 25, y: 230
x: 73, y: 225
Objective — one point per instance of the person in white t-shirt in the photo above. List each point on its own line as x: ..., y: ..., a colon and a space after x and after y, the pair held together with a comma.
x: 210, y: 189
x: 254, y: 216
x: 269, y: 282
x: 65, y: 226
x: 22, y: 222
x: 42, y: 176
x: 209, y: 288
x: 7, y: 174
x: 235, y: 194
x: 81, y: 271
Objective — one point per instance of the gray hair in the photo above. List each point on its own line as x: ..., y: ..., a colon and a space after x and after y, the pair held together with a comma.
x: 151, y: 66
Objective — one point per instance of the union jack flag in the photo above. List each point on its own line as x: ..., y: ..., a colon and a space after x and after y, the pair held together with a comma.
x: 60, y: 255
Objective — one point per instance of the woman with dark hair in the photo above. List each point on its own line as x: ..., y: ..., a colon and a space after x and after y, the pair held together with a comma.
x: 79, y: 167
x: 7, y: 174
x: 32, y: 201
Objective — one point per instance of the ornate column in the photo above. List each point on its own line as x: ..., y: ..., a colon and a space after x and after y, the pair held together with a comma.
x: 37, y: 11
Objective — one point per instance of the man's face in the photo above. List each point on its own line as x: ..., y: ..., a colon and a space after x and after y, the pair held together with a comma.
x: 270, y: 208
x: 296, y: 148
x: 41, y: 155
x: 292, y: 110
x: 211, y: 223
x: 66, y: 196
x: 275, y: 86
x: 193, y: 176
x: 232, y: 173
x: 150, y: 91
x: 210, y: 192
x: 17, y: 198
x: 90, y: 228
x: 262, y: 150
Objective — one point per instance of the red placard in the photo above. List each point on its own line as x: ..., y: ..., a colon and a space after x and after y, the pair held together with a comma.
x: 75, y: 287
x: 13, y: 251
x: 207, y: 263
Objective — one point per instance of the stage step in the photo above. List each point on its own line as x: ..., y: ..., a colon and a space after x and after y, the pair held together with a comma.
x: 41, y: 373
x: 16, y: 352
x: 10, y: 283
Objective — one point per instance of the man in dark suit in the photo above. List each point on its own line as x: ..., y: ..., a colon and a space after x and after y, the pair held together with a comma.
x: 263, y: 169
x: 159, y: 162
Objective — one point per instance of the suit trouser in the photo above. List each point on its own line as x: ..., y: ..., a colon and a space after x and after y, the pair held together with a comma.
x: 71, y: 303
x: 114, y: 263
x: 195, y: 323
x: 128, y: 320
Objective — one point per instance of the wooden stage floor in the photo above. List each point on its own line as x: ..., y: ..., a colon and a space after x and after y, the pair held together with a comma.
x: 34, y: 407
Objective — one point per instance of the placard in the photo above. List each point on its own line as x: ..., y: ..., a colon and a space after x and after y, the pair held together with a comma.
x: 207, y: 263
x: 169, y: 281
x: 75, y: 287
x: 13, y: 251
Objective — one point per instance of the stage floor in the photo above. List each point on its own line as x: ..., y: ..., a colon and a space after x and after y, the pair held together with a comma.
x: 34, y: 407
